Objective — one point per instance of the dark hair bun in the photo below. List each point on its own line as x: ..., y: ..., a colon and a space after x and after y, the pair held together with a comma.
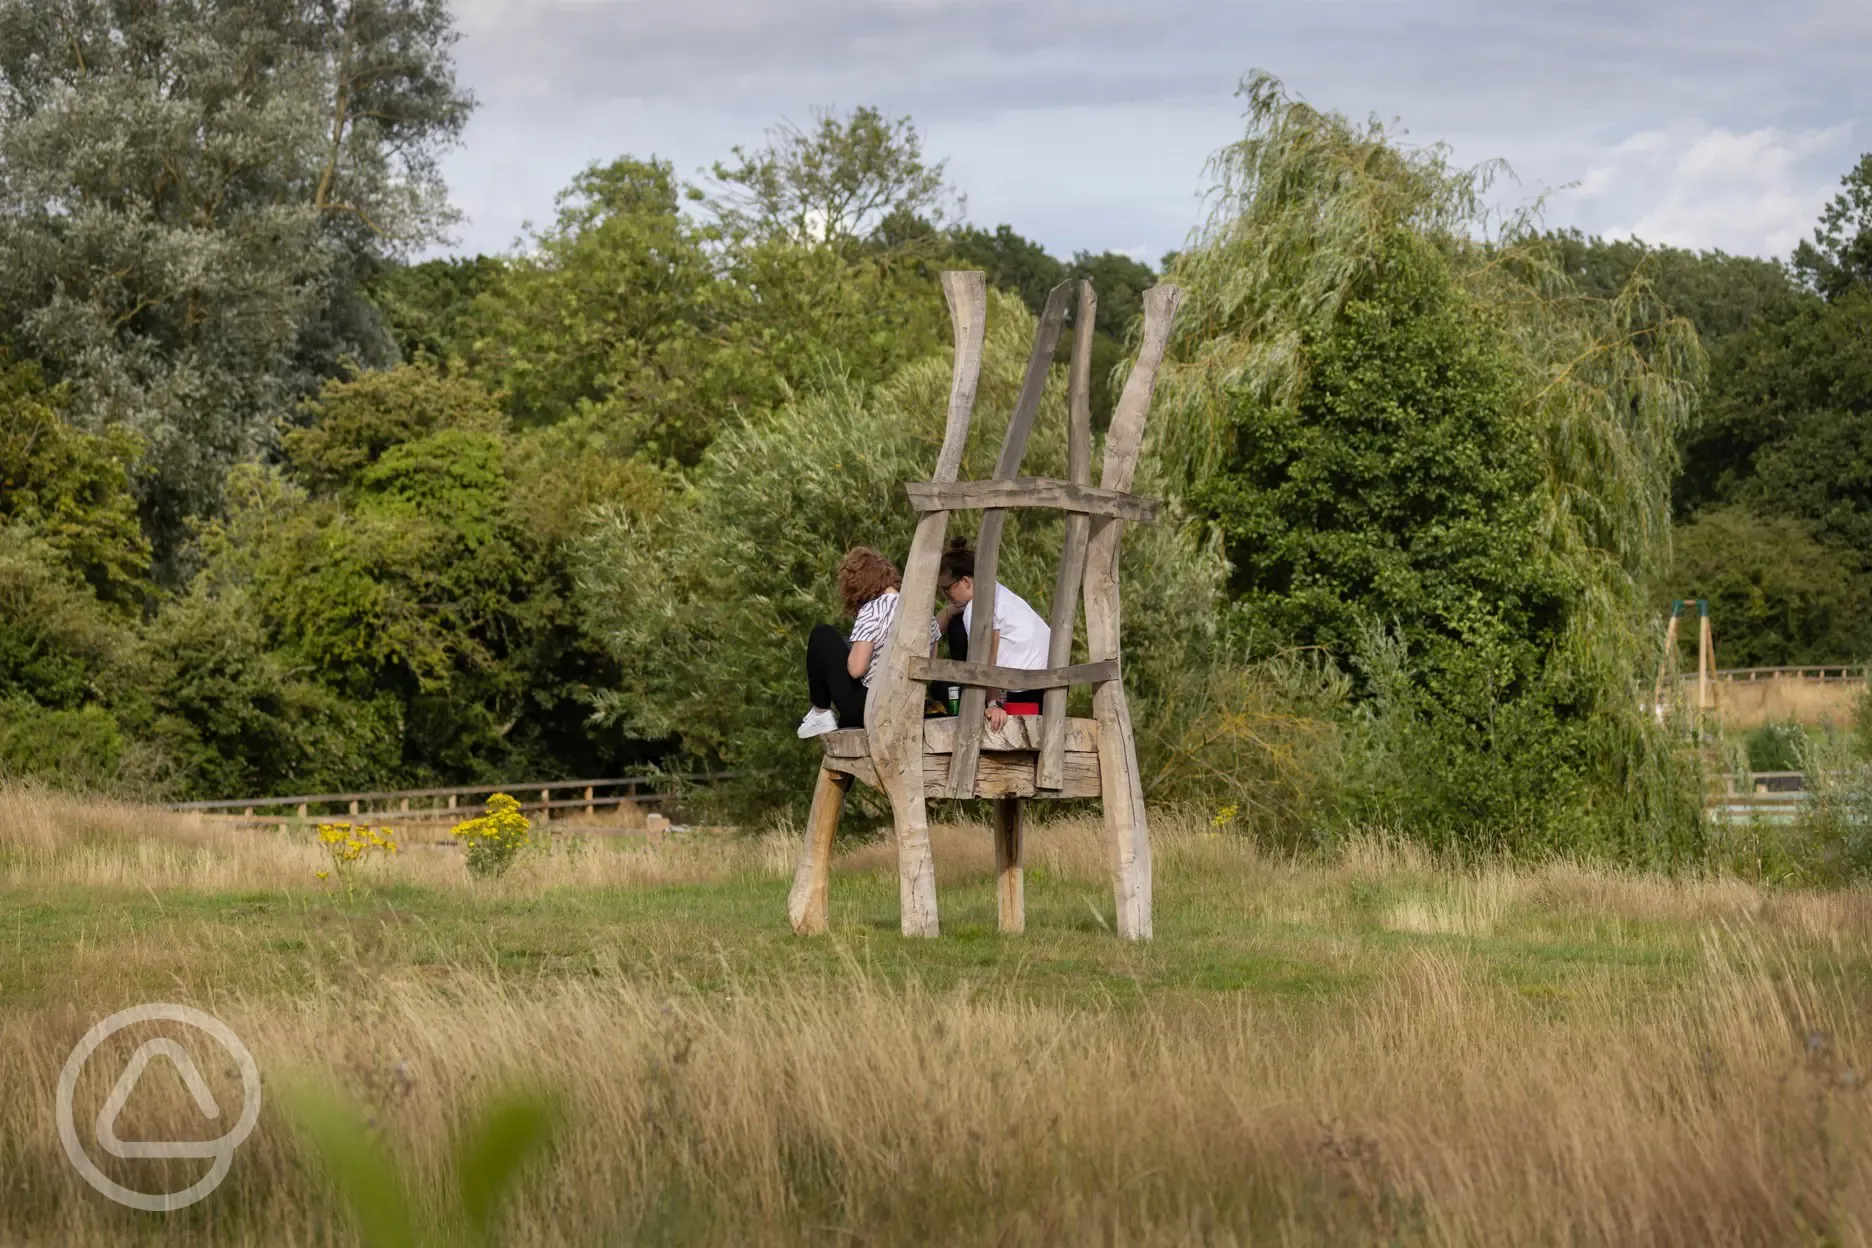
x: 958, y: 543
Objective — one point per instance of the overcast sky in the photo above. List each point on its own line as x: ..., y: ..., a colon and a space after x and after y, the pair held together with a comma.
x: 1085, y: 124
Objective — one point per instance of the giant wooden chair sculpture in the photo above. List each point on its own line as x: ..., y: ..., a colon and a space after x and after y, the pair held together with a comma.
x: 912, y: 759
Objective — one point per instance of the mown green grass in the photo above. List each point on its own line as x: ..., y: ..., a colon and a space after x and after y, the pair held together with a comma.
x: 709, y: 936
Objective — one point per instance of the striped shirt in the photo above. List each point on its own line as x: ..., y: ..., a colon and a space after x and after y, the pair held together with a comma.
x: 874, y: 623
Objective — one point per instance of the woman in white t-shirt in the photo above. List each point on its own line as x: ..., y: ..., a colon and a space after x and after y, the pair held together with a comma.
x: 1020, y: 638
x: 838, y: 671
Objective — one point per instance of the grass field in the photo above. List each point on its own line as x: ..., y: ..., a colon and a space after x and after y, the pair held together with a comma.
x: 1373, y: 1050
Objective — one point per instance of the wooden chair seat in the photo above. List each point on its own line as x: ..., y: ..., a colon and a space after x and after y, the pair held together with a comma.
x: 1010, y: 758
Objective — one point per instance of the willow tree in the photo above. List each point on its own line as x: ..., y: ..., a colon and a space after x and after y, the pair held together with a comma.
x: 1430, y: 456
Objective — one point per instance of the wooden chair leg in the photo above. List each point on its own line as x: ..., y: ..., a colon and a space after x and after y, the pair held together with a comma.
x: 1010, y: 861
x: 1122, y: 795
x: 808, y: 905
x: 916, y: 873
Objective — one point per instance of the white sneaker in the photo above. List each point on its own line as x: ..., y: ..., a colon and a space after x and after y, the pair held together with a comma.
x: 817, y: 721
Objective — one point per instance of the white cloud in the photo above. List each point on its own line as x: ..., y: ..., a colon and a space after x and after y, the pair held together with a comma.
x: 1746, y: 191
x: 1084, y: 123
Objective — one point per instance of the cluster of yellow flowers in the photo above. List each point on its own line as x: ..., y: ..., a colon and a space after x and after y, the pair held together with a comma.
x: 349, y: 844
x: 491, y: 842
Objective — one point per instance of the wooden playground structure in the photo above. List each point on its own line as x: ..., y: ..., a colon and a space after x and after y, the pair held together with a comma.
x: 912, y: 759
x: 1738, y: 699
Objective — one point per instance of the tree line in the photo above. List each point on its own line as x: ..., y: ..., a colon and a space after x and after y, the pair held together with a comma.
x: 285, y: 510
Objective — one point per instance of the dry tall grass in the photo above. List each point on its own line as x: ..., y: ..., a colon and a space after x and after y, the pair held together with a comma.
x: 1435, y: 1103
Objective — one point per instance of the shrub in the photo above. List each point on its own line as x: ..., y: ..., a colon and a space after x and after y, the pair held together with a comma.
x: 492, y: 842
x: 1777, y: 747
x: 348, y: 844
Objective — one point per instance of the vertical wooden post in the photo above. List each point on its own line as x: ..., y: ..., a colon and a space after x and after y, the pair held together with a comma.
x: 545, y: 805
x: 354, y: 808
x: 1121, y: 786
x: 809, y: 904
x: 962, y: 763
x: 1703, y: 659
x: 1666, y: 662
x: 588, y: 801
x: 1051, y: 768
x: 302, y: 810
x: 1010, y: 862
x: 894, y: 711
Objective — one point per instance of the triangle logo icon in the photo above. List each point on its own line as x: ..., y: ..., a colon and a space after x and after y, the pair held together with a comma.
x: 179, y: 1058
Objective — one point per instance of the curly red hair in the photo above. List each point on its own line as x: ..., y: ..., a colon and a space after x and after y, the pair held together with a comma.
x: 863, y: 574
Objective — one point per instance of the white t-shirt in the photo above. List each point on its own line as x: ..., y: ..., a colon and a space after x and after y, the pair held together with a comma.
x: 874, y: 623
x: 1025, y: 637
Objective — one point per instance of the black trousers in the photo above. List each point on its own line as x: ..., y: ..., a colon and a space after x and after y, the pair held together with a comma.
x: 829, y: 681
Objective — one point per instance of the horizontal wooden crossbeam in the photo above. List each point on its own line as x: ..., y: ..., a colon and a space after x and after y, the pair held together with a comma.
x: 987, y: 676
x: 1030, y: 492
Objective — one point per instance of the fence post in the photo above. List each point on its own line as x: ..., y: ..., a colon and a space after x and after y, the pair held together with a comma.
x: 588, y: 802
x: 545, y: 805
x: 302, y: 810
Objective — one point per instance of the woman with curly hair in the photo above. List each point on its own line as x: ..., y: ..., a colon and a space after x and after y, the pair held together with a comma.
x: 838, y: 671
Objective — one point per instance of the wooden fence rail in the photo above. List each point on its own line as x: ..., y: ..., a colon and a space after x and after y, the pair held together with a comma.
x: 648, y: 788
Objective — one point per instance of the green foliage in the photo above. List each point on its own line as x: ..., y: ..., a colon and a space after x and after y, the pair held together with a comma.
x: 1441, y: 463
x: 1839, y: 259
x: 1808, y: 382
x: 492, y: 1150
x: 234, y: 716
x: 60, y: 656
x: 429, y: 308
x: 70, y: 488
x: 643, y: 327
x: 190, y: 196
x: 361, y: 418
x: 56, y: 647
x: 80, y: 749
x: 1788, y: 400
x: 835, y: 184
x: 1777, y: 747
x: 615, y: 315
x: 1777, y: 597
x: 395, y: 563
x: 1721, y: 294
x: 1017, y: 264
x: 1010, y: 261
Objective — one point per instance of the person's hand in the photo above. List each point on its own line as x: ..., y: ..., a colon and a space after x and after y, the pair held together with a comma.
x: 997, y: 716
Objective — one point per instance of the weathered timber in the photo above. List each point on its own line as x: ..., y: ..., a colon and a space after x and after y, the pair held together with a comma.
x: 1031, y: 492
x: 858, y: 768
x: 808, y: 904
x: 988, y: 676
x: 1010, y: 861
x: 1020, y: 732
x: 1122, y: 789
x: 1011, y: 774
x: 846, y: 743
x: 894, y: 710
x: 1071, y: 576
x: 988, y: 539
